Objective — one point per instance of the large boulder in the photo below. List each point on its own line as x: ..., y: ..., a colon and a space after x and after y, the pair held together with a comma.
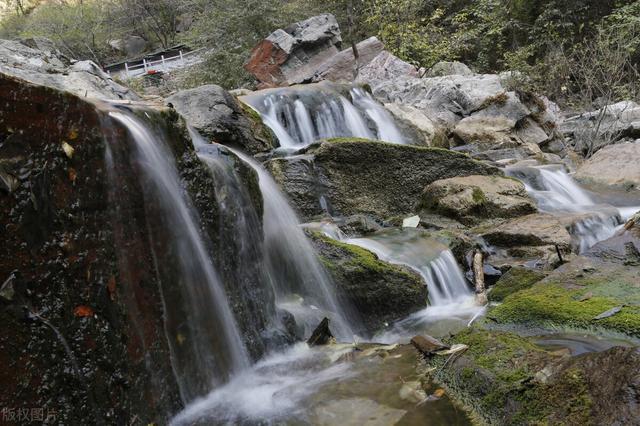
x: 419, y: 128
x: 610, y: 123
x: 613, y: 165
x: 91, y: 294
x: 293, y: 55
x: 357, y: 176
x: 37, y: 61
x: 384, y: 67
x: 471, y: 199
x: 219, y: 117
x: 536, y: 230
x: 381, y: 292
x: 507, y: 379
x: 342, y: 66
x: 444, y: 68
x: 132, y: 46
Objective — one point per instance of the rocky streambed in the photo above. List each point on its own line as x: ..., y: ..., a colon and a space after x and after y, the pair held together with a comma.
x: 516, y: 281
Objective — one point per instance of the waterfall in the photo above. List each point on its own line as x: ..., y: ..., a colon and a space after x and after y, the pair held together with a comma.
x: 302, y: 285
x: 557, y: 193
x: 432, y: 260
x: 204, y: 339
x: 302, y: 115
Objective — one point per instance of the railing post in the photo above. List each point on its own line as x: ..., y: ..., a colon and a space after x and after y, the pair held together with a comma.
x: 164, y: 64
x: 126, y: 68
x: 144, y: 65
x: 181, y: 58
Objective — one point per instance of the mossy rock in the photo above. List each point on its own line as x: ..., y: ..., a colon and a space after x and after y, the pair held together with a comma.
x: 506, y: 379
x: 360, y: 176
x: 381, y: 292
x: 514, y: 280
x: 575, y: 294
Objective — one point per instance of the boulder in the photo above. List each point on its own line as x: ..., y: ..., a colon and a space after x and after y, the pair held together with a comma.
x: 220, y: 118
x: 381, y: 292
x: 444, y: 99
x: 507, y: 379
x: 293, y: 55
x: 504, y: 121
x: 85, y: 290
x: 610, y: 123
x: 613, y: 165
x: 132, y: 46
x: 419, y: 128
x: 444, y: 68
x: 357, y: 176
x: 341, y: 67
x: 384, y: 67
x: 514, y: 280
x: 48, y: 67
x: 535, y: 230
x: 470, y: 199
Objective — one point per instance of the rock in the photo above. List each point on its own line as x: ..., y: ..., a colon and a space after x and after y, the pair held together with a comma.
x: 7, y: 292
x: 608, y: 313
x: 514, y: 280
x: 132, y: 46
x: 443, y: 99
x: 293, y: 55
x: 427, y: 345
x: 381, y: 292
x: 507, y: 379
x: 532, y: 230
x: 357, y: 176
x: 356, y: 411
x: 384, y: 67
x: 444, y: 68
x: 613, y: 165
x: 358, y: 225
x: 504, y: 121
x: 219, y: 117
x: 341, y: 67
x: 471, y: 199
x: 576, y: 294
x: 50, y: 68
x: 321, y: 335
x: 610, y: 123
x: 421, y: 130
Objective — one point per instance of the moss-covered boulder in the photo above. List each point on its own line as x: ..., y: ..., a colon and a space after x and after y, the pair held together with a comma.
x: 351, y: 176
x: 514, y: 280
x: 471, y: 199
x: 575, y: 295
x: 221, y: 118
x: 506, y: 379
x: 381, y: 292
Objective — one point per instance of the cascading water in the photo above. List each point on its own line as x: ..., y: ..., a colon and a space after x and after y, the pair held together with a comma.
x: 206, y: 345
x: 302, y: 115
x: 301, y: 284
x: 452, y: 301
x: 557, y: 193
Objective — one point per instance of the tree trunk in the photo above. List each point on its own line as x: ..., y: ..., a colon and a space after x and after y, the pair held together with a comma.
x: 350, y: 23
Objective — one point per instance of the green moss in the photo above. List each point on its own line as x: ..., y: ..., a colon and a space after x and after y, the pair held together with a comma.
x: 259, y: 129
x: 360, y: 258
x: 496, y: 378
x: 551, y: 304
x: 514, y: 280
x: 478, y: 196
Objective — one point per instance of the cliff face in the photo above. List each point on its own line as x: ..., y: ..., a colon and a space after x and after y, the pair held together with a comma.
x: 82, y: 331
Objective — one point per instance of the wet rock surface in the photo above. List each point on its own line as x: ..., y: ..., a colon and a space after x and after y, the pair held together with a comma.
x: 381, y: 292
x: 471, y: 199
x: 340, y: 175
x: 507, y: 379
x: 220, y: 118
